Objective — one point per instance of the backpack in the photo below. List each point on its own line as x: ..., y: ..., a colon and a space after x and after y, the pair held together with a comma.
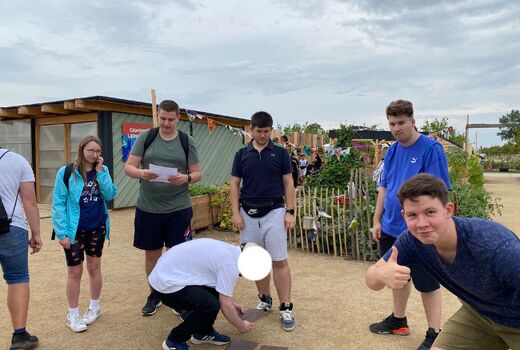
x: 152, y: 134
x: 5, y: 222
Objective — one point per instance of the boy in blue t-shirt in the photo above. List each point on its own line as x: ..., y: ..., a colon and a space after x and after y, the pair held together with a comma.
x: 475, y: 259
x: 413, y: 153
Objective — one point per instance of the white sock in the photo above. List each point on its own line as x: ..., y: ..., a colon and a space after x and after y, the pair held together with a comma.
x: 94, y: 304
x: 73, y: 311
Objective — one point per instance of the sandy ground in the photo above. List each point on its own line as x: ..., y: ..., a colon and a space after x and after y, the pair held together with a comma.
x: 332, y: 305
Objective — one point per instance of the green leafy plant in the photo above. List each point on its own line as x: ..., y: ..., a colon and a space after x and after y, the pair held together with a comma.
x: 200, y: 189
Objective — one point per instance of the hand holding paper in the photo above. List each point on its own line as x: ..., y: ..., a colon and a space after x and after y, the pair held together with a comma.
x: 163, y: 173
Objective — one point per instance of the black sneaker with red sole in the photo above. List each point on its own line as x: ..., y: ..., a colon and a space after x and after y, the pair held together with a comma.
x: 391, y: 325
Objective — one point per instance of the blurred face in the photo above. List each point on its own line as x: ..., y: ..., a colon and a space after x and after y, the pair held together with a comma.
x: 427, y: 218
x: 262, y: 135
x: 91, y: 152
x: 168, y: 121
x: 402, y: 127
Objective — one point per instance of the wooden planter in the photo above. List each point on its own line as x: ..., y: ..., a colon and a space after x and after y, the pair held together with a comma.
x: 204, y: 215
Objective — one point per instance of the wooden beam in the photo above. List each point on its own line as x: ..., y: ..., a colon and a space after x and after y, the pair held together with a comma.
x: 32, y: 111
x: 71, y: 105
x: 70, y: 118
x: 10, y: 113
x: 483, y: 126
x: 100, y: 105
x: 54, y: 108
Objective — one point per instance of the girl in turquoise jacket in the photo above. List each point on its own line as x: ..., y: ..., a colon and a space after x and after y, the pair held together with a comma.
x: 80, y: 221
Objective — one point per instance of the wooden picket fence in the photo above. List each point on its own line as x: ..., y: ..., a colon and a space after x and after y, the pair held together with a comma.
x: 335, y: 222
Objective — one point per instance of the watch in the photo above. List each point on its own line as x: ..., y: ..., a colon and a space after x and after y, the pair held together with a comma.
x: 189, y: 178
x: 290, y: 211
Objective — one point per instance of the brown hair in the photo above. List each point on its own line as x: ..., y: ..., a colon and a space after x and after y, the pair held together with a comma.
x: 81, y: 163
x: 423, y: 185
x: 398, y: 108
x: 169, y: 106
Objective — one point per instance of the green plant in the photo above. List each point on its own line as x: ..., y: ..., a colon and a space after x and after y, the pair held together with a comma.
x: 223, y: 201
x: 200, y: 189
x: 335, y: 172
x: 475, y: 201
x: 475, y: 172
x: 457, y: 160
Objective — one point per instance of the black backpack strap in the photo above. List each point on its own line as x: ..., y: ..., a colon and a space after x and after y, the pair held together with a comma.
x: 185, y: 143
x: 66, y: 177
x: 152, y: 134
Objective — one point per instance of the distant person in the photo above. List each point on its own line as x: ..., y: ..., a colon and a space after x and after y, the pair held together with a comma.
x: 413, y: 153
x: 475, y: 259
x: 81, y: 223
x: 17, y: 197
x: 315, y: 164
x: 203, y: 285
x: 258, y: 209
x: 163, y: 212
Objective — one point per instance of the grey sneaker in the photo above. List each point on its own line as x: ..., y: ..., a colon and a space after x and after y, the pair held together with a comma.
x: 266, y: 302
x: 287, y: 317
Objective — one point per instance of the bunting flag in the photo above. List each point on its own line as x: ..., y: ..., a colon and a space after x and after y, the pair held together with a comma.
x: 211, y: 124
x: 194, y: 114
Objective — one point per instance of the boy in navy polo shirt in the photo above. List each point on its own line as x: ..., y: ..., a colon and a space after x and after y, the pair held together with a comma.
x: 475, y: 259
x: 413, y: 153
x: 258, y: 208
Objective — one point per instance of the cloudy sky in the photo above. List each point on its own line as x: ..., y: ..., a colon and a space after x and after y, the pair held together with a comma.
x: 326, y: 61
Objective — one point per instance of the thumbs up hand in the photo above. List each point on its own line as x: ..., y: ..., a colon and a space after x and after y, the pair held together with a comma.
x: 395, y: 275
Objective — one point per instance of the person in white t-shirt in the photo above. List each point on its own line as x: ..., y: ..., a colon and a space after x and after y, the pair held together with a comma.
x: 199, y: 276
x: 18, y: 196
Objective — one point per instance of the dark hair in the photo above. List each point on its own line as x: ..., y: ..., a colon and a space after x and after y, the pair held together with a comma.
x: 169, y: 106
x: 398, y: 108
x: 285, y: 138
x: 423, y: 185
x: 261, y: 120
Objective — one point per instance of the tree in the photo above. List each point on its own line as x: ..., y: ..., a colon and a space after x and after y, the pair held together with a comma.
x: 445, y: 130
x: 313, y: 128
x: 435, y: 126
x: 344, y: 136
x: 511, y: 134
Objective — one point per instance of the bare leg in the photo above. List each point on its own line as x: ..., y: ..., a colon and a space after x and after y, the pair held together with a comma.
x: 150, y: 260
x: 95, y: 276
x: 400, y: 297
x: 264, y: 285
x: 432, y: 302
x: 73, y: 285
x: 18, y: 303
x: 282, y: 280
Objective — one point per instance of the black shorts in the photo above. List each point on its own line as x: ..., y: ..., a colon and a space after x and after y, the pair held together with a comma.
x: 421, y: 279
x: 157, y: 230
x: 88, y: 242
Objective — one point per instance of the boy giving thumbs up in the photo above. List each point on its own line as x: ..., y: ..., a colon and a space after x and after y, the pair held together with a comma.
x: 475, y: 259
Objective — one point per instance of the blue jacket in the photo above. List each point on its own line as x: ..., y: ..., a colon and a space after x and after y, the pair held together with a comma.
x: 65, y: 203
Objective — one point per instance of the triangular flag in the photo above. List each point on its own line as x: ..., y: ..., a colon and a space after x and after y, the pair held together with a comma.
x: 211, y: 124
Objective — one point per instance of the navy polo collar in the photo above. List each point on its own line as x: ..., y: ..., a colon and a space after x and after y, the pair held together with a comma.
x: 270, y: 145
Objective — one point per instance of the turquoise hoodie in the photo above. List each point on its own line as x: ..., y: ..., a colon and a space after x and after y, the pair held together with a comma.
x: 65, y: 203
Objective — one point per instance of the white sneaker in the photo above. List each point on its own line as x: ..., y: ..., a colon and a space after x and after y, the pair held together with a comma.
x: 76, y: 324
x: 90, y: 316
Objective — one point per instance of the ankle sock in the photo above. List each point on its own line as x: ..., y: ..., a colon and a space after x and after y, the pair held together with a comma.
x: 73, y: 311
x: 94, y: 304
x: 19, y: 331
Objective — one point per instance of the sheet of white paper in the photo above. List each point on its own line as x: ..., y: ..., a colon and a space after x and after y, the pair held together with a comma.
x: 163, y: 172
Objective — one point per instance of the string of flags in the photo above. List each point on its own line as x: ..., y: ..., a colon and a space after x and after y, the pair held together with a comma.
x: 192, y: 115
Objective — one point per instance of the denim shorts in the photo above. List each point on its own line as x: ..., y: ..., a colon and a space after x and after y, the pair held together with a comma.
x: 14, y: 250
